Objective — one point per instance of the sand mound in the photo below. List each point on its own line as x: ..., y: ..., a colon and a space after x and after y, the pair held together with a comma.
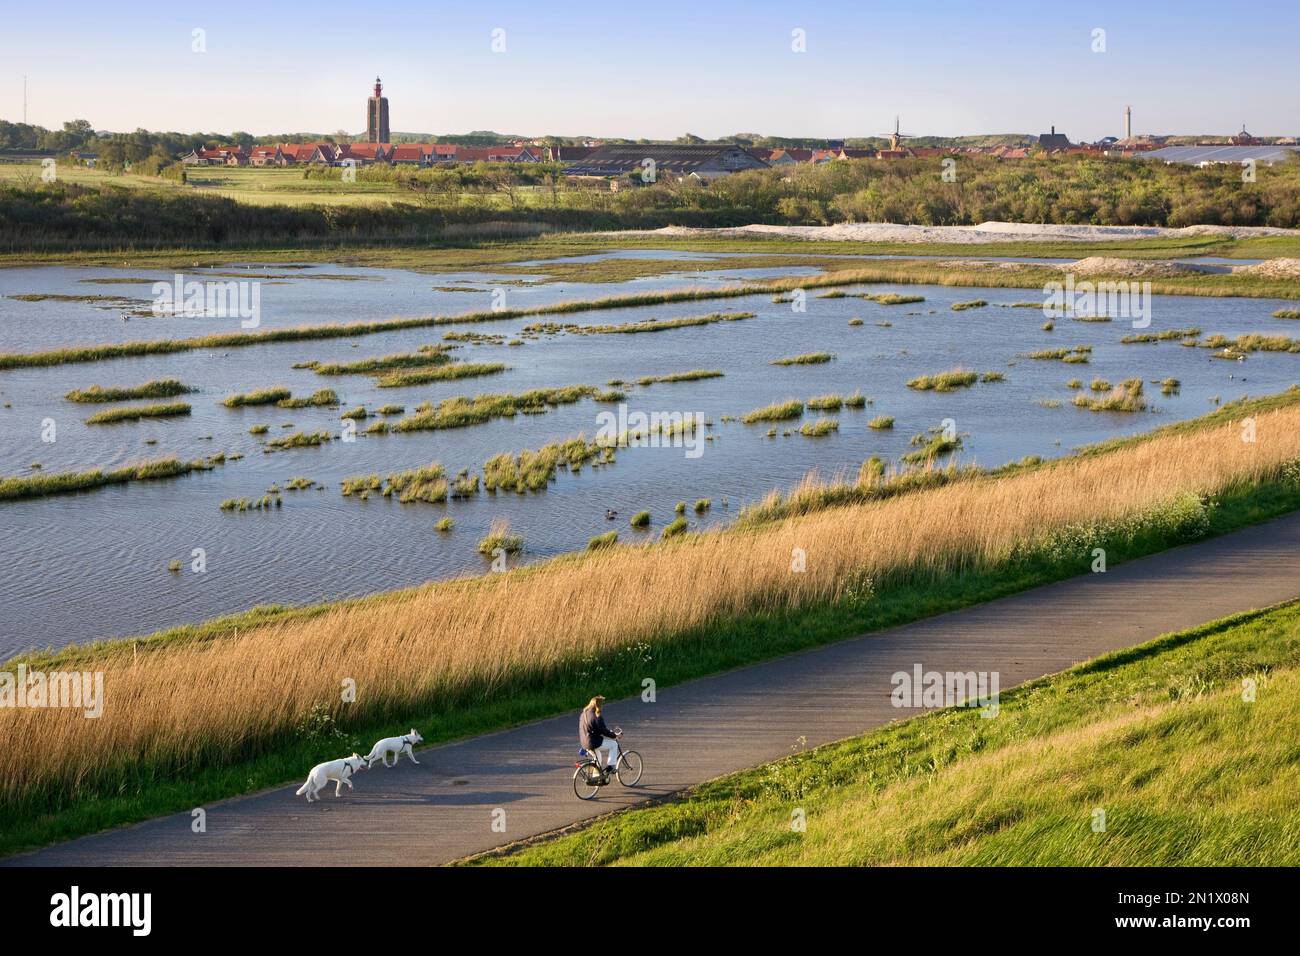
x: 1282, y: 268
x: 1129, y: 268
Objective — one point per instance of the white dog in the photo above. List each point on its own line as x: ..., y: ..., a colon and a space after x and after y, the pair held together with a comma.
x: 340, y: 771
x: 395, y: 746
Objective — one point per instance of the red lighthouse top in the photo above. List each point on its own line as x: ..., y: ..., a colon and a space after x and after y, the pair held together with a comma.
x: 379, y: 88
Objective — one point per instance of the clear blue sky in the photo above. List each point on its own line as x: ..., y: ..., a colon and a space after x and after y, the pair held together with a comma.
x: 658, y: 69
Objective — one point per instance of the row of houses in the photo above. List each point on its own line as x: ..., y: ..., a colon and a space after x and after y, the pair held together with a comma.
x: 368, y: 154
x: 696, y: 160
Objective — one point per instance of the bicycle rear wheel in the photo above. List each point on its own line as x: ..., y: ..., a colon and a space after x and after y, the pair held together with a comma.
x: 629, y: 768
x: 585, y: 781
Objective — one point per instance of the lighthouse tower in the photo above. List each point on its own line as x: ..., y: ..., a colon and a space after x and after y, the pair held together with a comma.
x: 377, y: 115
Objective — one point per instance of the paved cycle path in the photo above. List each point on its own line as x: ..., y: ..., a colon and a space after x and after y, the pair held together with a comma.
x: 484, y: 792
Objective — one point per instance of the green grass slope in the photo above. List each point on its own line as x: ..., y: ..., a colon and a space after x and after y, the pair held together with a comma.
x: 1161, y: 737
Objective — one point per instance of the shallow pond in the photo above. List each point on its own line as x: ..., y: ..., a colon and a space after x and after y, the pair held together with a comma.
x: 95, y: 564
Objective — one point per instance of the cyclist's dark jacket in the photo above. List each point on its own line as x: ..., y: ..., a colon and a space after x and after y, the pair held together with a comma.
x: 591, y: 728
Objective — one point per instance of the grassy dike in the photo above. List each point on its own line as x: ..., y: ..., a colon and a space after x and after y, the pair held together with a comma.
x: 1159, y: 736
x: 838, y: 272
x: 123, y: 784
x: 465, y: 253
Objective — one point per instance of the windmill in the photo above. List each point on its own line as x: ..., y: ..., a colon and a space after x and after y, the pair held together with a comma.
x: 896, y: 137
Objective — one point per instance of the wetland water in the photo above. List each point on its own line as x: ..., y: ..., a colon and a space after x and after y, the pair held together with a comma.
x: 95, y: 564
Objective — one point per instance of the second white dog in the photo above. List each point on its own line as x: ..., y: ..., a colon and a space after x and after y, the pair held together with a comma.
x: 395, y: 746
x: 340, y: 771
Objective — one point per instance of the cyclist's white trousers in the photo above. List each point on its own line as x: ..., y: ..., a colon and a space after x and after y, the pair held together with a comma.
x: 610, y: 747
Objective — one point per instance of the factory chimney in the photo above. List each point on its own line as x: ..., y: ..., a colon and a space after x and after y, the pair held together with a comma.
x: 1128, y: 122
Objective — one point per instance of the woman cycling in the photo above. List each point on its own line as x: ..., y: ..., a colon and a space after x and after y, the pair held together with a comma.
x: 594, y: 736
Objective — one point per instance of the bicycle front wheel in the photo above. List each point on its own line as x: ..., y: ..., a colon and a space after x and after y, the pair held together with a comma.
x: 629, y: 768
x: 586, y: 781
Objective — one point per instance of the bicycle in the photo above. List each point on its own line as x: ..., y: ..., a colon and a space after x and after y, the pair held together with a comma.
x: 590, y: 776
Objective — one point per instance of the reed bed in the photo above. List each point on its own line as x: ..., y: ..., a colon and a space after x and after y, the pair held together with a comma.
x: 1078, y: 355
x: 317, y: 399
x: 808, y: 358
x: 160, y: 388
x: 428, y: 484
x: 1125, y: 397
x: 265, y: 396
x: 634, y: 328
x: 461, y: 411
x: 693, y: 375
x: 384, y: 363
x: 133, y: 413
x: 533, y: 470
x: 66, y: 482
x: 1168, y: 335
x: 948, y: 381
x: 500, y: 540
x: 174, y: 706
x: 298, y: 440
x: 819, y: 428
x: 441, y: 373
x: 776, y: 412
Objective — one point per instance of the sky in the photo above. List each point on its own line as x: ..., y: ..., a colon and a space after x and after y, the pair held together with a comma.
x: 658, y: 69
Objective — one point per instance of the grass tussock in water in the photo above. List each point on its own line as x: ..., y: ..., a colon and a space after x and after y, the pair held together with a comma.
x: 264, y: 503
x: 318, y: 399
x: 443, y: 373
x: 533, y: 470
x: 674, y: 528
x: 820, y: 428
x: 948, y: 381
x: 1124, y: 397
x: 1078, y: 355
x: 499, y: 540
x: 265, y: 396
x: 1251, y: 342
x: 160, y: 388
x: 808, y: 358
x: 427, y: 358
x: 634, y: 328
x: 1168, y: 335
x: 776, y: 412
x: 892, y: 298
x: 972, y: 304
x: 428, y: 484
x: 694, y: 375
x: 1287, y: 314
x: 461, y: 411
x: 65, y: 482
x: 606, y: 540
x: 134, y: 413
x: 298, y: 440
x: 931, y: 445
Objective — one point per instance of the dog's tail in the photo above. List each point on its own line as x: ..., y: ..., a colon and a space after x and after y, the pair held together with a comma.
x: 303, y: 788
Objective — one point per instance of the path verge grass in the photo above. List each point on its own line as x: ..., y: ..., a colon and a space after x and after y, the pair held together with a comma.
x: 1159, y: 736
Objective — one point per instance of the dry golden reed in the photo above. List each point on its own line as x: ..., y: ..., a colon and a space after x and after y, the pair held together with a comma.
x: 223, y: 699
